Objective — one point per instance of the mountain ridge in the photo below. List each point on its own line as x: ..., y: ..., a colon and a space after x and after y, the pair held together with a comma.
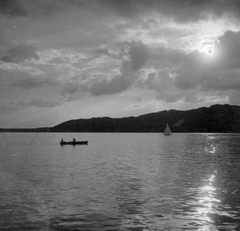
x: 216, y: 119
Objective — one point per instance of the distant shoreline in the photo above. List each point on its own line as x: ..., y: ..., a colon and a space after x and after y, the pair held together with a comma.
x: 215, y: 119
x: 29, y: 131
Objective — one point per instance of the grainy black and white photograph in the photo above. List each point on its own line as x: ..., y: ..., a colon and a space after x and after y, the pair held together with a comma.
x: 119, y: 115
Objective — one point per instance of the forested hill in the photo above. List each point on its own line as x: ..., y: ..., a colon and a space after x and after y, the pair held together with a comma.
x: 217, y: 118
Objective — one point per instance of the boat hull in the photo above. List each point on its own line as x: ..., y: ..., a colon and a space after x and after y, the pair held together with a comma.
x: 74, y: 143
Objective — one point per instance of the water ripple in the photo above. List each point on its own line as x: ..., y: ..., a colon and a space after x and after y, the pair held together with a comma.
x: 120, y: 182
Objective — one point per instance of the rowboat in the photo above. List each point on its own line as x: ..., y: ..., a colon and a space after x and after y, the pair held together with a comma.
x: 74, y: 142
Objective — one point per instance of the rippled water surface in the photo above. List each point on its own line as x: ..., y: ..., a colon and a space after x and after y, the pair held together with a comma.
x: 120, y: 181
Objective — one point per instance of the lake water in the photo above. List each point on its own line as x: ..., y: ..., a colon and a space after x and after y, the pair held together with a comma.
x: 122, y: 181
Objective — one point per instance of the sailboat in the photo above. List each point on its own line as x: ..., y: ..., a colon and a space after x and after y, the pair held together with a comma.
x: 167, y: 131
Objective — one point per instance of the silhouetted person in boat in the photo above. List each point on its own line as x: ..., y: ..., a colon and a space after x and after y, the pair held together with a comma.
x: 61, y: 140
x: 74, y: 140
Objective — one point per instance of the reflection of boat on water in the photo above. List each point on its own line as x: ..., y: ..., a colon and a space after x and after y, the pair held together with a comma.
x: 167, y: 131
x: 74, y: 142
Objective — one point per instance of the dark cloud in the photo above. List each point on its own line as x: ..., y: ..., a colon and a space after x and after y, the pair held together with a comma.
x: 29, y: 83
x: 137, y: 55
x: 102, y: 51
x: 107, y: 52
x: 115, y: 85
x: 165, y: 57
x: 224, y: 80
x: 190, y: 96
x: 227, y: 50
x: 47, y: 8
x: 12, y: 8
x: 133, y: 54
x: 189, y: 71
x: 20, y: 53
x: 160, y: 82
x: 33, y: 8
x: 69, y: 89
x: 180, y: 10
x: 138, y: 52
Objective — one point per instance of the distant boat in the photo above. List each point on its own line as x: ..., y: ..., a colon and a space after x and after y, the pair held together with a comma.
x: 74, y: 142
x: 167, y: 131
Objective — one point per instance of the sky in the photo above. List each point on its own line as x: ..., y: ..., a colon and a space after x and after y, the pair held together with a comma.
x: 71, y: 59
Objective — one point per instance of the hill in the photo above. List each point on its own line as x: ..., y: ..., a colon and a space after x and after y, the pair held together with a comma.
x: 216, y: 119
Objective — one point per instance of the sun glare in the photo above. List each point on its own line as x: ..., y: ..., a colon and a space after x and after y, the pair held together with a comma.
x: 206, y: 48
x: 206, y: 51
x: 210, y: 52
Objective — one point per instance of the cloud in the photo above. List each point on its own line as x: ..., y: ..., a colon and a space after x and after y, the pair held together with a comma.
x: 172, y: 97
x: 115, y: 85
x: 17, y: 68
x: 12, y: 8
x: 30, y: 82
x: 222, y: 72
x: 36, y: 102
x: 69, y: 89
x: 180, y: 10
x: 39, y: 102
x: 157, y: 81
x: 166, y: 57
x: 137, y: 55
x: 234, y: 97
x: 195, y: 71
x: 224, y: 80
x: 102, y: 51
x: 162, y: 85
x: 105, y: 51
x: 178, y: 75
x: 169, y: 97
x: 227, y: 50
x: 189, y: 73
x: 32, y: 8
x: 20, y: 53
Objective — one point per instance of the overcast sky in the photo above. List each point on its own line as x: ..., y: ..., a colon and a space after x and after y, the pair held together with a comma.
x: 69, y: 59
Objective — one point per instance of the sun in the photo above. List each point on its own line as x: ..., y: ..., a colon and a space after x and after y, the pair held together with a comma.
x: 206, y: 48
x: 208, y: 51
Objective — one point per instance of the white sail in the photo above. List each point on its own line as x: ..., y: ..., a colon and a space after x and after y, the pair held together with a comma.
x: 167, y: 131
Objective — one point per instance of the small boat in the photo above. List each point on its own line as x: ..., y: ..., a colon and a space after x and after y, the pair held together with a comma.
x: 74, y: 142
x: 167, y: 131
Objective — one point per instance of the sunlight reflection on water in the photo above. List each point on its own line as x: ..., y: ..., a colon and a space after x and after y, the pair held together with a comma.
x: 208, y: 202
